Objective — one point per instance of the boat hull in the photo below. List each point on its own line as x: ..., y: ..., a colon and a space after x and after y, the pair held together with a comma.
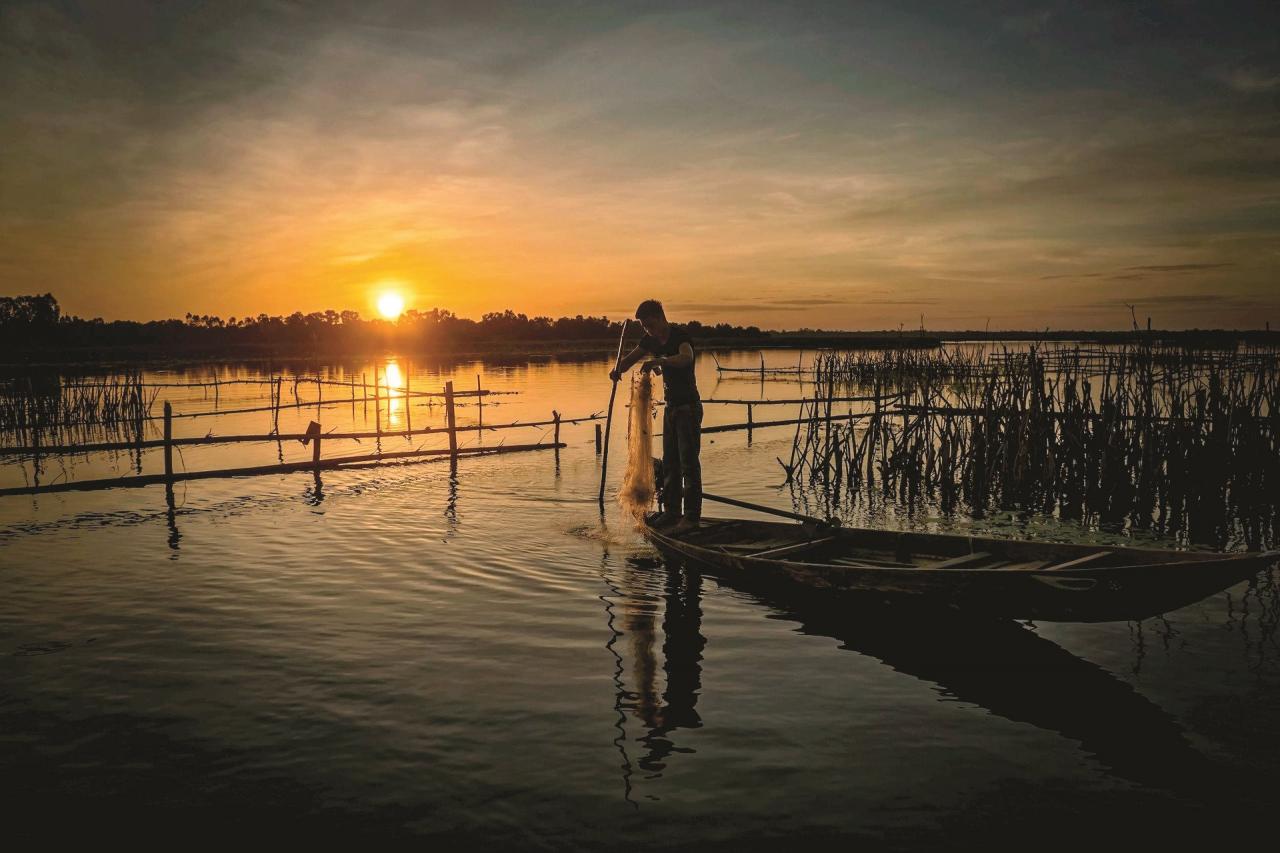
x: 1154, y: 582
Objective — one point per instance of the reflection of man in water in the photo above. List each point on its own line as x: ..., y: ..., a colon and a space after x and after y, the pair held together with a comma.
x: 675, y: 707
x: 671, y: 351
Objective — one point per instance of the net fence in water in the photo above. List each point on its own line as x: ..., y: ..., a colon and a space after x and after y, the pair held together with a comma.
x: 637, y: 483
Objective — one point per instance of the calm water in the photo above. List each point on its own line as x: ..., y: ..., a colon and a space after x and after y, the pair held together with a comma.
x: 405, y: 654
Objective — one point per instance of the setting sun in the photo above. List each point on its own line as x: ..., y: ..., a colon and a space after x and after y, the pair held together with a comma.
x: 390, y: 305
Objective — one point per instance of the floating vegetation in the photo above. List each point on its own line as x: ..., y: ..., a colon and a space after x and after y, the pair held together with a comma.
x: 1183, y: 443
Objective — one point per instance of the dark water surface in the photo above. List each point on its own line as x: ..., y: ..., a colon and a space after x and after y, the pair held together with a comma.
x: 402, y: 654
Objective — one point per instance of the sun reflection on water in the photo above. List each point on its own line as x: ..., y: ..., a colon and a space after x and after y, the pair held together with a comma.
x: 395, y: 392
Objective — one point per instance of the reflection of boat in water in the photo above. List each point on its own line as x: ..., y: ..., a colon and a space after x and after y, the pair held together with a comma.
x: 999, y: 665
x: 1024, y: 580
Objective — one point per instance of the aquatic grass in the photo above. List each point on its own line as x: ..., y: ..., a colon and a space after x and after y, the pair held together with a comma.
x: 1185, y: 443
x: 41, y: 408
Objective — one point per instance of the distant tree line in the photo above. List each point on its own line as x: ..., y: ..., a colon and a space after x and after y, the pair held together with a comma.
x: 35, y: 324
x: 33, y: 328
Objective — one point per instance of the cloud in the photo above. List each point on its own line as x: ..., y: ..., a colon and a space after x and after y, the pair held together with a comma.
x: 1142, y: 271
x: 809, y: 302
x: 1179, y: 267
x: 731, y: 306
x: 1251, y: 81
x: 1180, y: 299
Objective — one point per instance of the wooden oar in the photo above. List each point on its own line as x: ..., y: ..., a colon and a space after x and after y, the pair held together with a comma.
x: 608, y: 423
x: 808, y: 519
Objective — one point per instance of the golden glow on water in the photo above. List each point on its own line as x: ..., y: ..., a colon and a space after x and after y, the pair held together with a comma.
x: 394, y: 380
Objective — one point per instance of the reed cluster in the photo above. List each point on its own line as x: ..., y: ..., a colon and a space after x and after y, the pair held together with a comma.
x: 43, y: 409
x: 890, y: 367
x: 1131, y: 437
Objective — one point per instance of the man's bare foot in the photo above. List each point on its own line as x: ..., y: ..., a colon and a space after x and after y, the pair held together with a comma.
x: 684, y: 525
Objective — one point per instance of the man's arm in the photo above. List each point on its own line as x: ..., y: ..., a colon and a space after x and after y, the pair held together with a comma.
x: 627, y: 361
x: 683, y: 358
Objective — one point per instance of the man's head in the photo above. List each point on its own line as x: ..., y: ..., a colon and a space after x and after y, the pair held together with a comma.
x: 652, y: 317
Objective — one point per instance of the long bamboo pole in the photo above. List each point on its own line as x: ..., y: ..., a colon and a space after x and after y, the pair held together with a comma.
x: 608, y: 422
x: 765, y: 509
x: 73, y: 449
x: 284, y: 468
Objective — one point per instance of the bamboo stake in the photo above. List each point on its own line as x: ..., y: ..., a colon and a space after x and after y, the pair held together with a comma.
x: 449, y: 415
x: 408, y: 416
x: 168, y: 441
x: 608, y: 423
x: 276, y: 417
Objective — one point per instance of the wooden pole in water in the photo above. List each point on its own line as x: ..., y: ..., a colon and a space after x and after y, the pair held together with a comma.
x: 479, y: 400
x: 597, y: 439
x: 275, y: 418
x: 408, y: 418
x: 453, y: 426
x: 35, y: 453
x: 608, y: 423
x: 556, y: 416
x: 168, y: 441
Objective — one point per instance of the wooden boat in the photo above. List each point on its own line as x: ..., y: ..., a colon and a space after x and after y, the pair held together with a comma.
x: 1021, y: 580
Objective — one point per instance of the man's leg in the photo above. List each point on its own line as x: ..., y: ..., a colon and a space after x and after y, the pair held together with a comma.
x: 671, y: 465
x: 689, y: 444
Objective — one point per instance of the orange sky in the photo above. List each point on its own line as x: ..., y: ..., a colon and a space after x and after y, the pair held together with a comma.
x: 810, y: 166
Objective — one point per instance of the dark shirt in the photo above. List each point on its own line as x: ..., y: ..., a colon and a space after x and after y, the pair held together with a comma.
x: 678, y: 383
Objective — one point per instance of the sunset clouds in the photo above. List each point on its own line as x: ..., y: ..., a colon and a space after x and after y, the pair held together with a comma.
x: 816, y: 164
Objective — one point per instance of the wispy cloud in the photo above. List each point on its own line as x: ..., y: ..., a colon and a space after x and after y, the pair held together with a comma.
x: 1179, y: 267
x: 1251, y: 81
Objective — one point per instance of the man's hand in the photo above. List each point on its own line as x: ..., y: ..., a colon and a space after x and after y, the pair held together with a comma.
x: 615, y: 374
x: 653, y: 365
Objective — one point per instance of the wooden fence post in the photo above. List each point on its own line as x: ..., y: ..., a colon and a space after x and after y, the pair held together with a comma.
x: 408, y: 417
x: 35, y: 452
x: 168, y: 441
x: 275, y: 417
x: 453, y: 426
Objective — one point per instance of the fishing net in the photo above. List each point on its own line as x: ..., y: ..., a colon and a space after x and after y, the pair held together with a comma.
x: 637, y: 483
